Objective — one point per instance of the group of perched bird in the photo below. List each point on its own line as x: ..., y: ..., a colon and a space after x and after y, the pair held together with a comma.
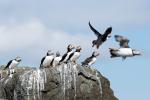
x: 72, y: 55
x: 51, y: 60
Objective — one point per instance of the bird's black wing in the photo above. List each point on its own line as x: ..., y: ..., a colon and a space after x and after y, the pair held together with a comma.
x: 94, y: 30
x: 122, y: 40
x: 107, y: 32
x: 63, y: 57
x: 42, y: 61
x: 86, y: 61
x: 8, y: 64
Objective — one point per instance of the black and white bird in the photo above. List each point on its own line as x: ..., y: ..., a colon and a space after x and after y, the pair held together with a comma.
x: 56, y: 59
x: 46, y: 61
x: 101, y: 38
x: 12, y: 64
x: 123, y: 41
x: 75, y: 55
x: 1, y: 74
x: 66, y: 55
x: 124, y: 50
x: 90, y: 60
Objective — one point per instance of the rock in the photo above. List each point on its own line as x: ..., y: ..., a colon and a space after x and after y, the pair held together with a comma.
x: 2, y: 92
x: 64, y: 82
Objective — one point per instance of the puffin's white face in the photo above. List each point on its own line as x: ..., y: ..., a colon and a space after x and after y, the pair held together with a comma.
x: 18, y: 59
x: 78, y: 48
x: 57, y: 54
x: 95, y: 53
x: 136, y: 52
x: 71, y: 46
x: 49, y: 53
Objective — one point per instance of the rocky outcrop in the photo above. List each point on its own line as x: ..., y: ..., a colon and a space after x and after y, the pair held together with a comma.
x: 64, y: 82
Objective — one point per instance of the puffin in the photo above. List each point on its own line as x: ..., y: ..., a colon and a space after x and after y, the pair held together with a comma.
x: 75, y: 55
x: 124, y: 51
x: 101, y: 38
x: 12, y: 64
x: 46, y: 60
x: 1, y: 74
x: 56, y: 59
x: 67, y: 54
x: 90, y: 60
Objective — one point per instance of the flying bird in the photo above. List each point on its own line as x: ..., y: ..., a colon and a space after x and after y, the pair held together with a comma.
x: 123, y: 41
x: 101, y: 38
x: 124, y: 50
x: 75, y: 55
x: 90, y: 60
x: 46, y: 60
x: 67, y: 54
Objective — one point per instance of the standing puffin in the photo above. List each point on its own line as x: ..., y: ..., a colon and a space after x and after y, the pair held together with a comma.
x: 56, y: 59
x: 12, y: 64
x: 66, y: 55
x: 90, y: 60
x: 124, y: 50
x: 1, y: 74
x: 75, y: 55
x: 46, y: 61
x: 101, y: 38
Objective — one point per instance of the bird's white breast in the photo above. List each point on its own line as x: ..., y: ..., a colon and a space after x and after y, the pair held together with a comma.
x: 75, y: 56
x: 56, y: 61
x: 13, y: 64
x: 47, y: 61
x: 124, y: 52
x: 92, y: 61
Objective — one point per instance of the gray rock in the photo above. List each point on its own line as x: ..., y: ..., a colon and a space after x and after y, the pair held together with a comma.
x: 64, y: 82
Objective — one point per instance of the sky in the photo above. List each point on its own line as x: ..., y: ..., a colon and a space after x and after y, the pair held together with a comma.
x: 29, y: 28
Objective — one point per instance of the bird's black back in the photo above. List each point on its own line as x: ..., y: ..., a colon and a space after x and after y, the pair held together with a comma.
x: 52, y: 61
x: 8, y: 64
x: 70, y: 56
x: 87, y: 60
x: 42, y: 61
x: 63, y: 57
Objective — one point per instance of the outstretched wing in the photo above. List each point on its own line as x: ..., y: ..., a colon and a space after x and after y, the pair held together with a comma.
x: 94, y: 30
x: 107, y: 32
x: 122, y: 40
